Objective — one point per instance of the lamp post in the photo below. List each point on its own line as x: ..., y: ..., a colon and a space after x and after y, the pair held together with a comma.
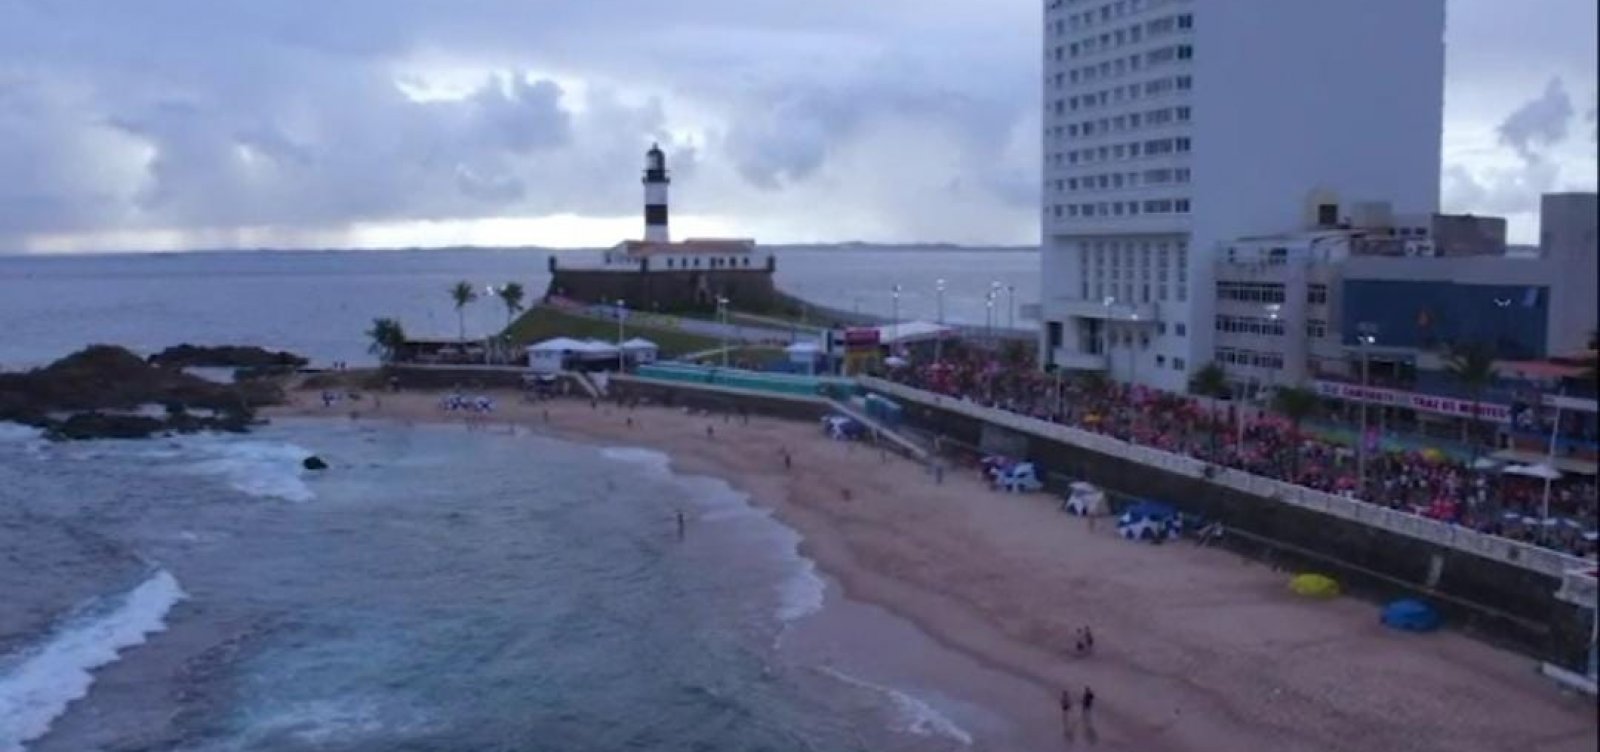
x: 938, y: 342
x: 722, y: 316
x: 1550, y: 465
x: 1011, y: 307
x: 1366, y: 338
x: 988, y: 318
x: 894, y: 317
x: 622, y: 315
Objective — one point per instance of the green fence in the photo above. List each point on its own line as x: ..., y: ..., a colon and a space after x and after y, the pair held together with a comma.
x: 780, y: 383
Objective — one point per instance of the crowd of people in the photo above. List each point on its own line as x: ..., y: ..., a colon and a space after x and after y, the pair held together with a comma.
x: 1263, y: 443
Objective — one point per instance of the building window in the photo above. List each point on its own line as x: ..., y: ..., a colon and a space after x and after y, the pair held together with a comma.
x: 1178, y: 364
x: 1317, y: 294
x: 1181, y: 329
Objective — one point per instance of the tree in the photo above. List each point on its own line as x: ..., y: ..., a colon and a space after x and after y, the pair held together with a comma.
x: 1296, y: 404
x: 387, y: 336
x: 1212, y: 383
x: 511, y: 295
x: 1472, y: 365
x: 462, y: 294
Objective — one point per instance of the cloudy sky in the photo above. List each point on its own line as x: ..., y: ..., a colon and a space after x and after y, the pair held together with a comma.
x: 160, y: 124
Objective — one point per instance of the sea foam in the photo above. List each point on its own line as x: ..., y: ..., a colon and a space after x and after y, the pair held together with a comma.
x: 38, y: 684
x: 265, y: 469
x: 915, y: 716
x: 802, y: 592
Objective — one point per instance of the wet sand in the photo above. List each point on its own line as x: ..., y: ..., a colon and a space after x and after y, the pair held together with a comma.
x: 1196, y: 649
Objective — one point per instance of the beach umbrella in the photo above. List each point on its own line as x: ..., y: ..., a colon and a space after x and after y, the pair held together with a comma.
x: 1511, y: 515
x: 1591, y: 535
x: 1485, y: 463
x: 1529, y: 521
x: 1549, y: 522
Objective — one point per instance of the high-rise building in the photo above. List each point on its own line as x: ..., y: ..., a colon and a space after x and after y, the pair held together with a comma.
x: 1174, y: 126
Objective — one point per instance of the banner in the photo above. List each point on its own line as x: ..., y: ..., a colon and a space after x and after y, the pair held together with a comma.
x: 1428, y: 403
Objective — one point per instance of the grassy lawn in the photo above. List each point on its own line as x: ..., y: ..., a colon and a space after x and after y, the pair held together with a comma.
x: 541, y: 323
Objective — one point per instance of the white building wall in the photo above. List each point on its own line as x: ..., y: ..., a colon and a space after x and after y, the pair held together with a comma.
x: 1567, y: 239
x: 1282, y: 98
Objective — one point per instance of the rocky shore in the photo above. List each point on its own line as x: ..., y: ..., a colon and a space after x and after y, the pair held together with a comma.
x: 105, y: 391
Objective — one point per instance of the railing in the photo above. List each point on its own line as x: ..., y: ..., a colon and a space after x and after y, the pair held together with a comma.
x: 1516, y: 553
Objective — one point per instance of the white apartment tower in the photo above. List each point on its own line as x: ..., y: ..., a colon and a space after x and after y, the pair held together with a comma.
x: 1172, y: 126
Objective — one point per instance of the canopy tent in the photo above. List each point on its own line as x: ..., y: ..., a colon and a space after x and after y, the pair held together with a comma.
x: 551, y: 355
x: 1149, y: 520
x: 1485, y: 463
x: 1541, y: 470
x: 1410, y: 615
x: 895, y: 361
x: 641, y: 350
x: 1085, y: 500
x: 593, y: 349
x: 907, y: 332
x: 1313, y: 585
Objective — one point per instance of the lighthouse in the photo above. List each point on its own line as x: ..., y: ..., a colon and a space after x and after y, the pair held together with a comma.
x: 655, y: 196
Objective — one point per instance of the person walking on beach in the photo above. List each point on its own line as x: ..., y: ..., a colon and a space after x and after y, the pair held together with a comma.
x: 1088, y: 702
x: 1066, y: 713
x: 1088, y: 640
x: 680, y: 524
x: 788, y: 461
x: 711, y: 433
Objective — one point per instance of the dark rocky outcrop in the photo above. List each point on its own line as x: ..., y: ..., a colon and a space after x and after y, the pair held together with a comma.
x: 227, y: 356
x: 103, y: 392
x: 314, y: 463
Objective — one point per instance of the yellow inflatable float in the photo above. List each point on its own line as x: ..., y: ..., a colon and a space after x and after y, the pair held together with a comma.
x: 1314, y: 586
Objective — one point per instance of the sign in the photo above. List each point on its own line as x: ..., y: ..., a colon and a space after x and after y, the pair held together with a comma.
x: 1428, y: 403
x: 861, y: 337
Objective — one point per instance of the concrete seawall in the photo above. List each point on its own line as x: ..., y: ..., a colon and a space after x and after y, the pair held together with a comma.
x: 1500, y: 598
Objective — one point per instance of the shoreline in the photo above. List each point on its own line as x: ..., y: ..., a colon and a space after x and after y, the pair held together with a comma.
x: 1188, y: 636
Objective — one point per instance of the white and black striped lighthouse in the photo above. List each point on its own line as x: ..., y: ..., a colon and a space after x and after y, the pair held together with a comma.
x: 655, y: 196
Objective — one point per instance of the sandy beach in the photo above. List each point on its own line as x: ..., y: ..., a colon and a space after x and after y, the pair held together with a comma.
x: 1196, y: 649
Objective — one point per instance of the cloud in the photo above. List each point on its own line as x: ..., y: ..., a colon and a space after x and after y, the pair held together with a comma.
x: 825, y: 120
x: 1539, y: 122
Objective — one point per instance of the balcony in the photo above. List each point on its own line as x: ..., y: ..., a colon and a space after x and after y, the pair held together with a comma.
x: 1104, y: 310
x: 1073, y: 360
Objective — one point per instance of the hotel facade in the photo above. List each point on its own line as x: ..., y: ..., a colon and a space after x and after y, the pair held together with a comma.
x: 1173, y: 127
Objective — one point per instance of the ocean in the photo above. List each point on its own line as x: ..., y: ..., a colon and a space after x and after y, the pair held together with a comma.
x: 438, y: 589
x: 319, y: 303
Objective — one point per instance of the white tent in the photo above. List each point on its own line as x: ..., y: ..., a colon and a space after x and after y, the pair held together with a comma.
x: 1085, y: 500
x: 551, y: 355
x: 1540, y: 470
x: 804, y: 354
x: 641, y: 350
x: 906, y: 332
x: 593, y: 349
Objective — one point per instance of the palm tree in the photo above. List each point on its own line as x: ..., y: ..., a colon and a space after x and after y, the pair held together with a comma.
x: 511, y: 295
x: 1472, y: 365
x: 1212, y: 383
x: 462, y: 294
x: 1296, y: 404
x: 387, y: 336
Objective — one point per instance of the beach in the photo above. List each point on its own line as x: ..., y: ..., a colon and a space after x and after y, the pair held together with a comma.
x: 1196, y: 648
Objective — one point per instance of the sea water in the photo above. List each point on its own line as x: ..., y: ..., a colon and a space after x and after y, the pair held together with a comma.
x: 436, y: 589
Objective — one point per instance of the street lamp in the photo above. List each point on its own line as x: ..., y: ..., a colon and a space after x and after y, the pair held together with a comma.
x: 622, y: 315
x: 988, y: 317
x: 1011, y: 306
x: 894, y: 316
x: 722, y: 316
x: 938, y: 342
x: 1366, y: 338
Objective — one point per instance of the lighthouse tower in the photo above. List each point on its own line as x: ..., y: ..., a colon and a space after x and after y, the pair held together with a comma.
x: 655, y: 196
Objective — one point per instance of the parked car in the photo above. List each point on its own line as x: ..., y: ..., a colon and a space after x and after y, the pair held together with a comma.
x: 1018, y: 478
